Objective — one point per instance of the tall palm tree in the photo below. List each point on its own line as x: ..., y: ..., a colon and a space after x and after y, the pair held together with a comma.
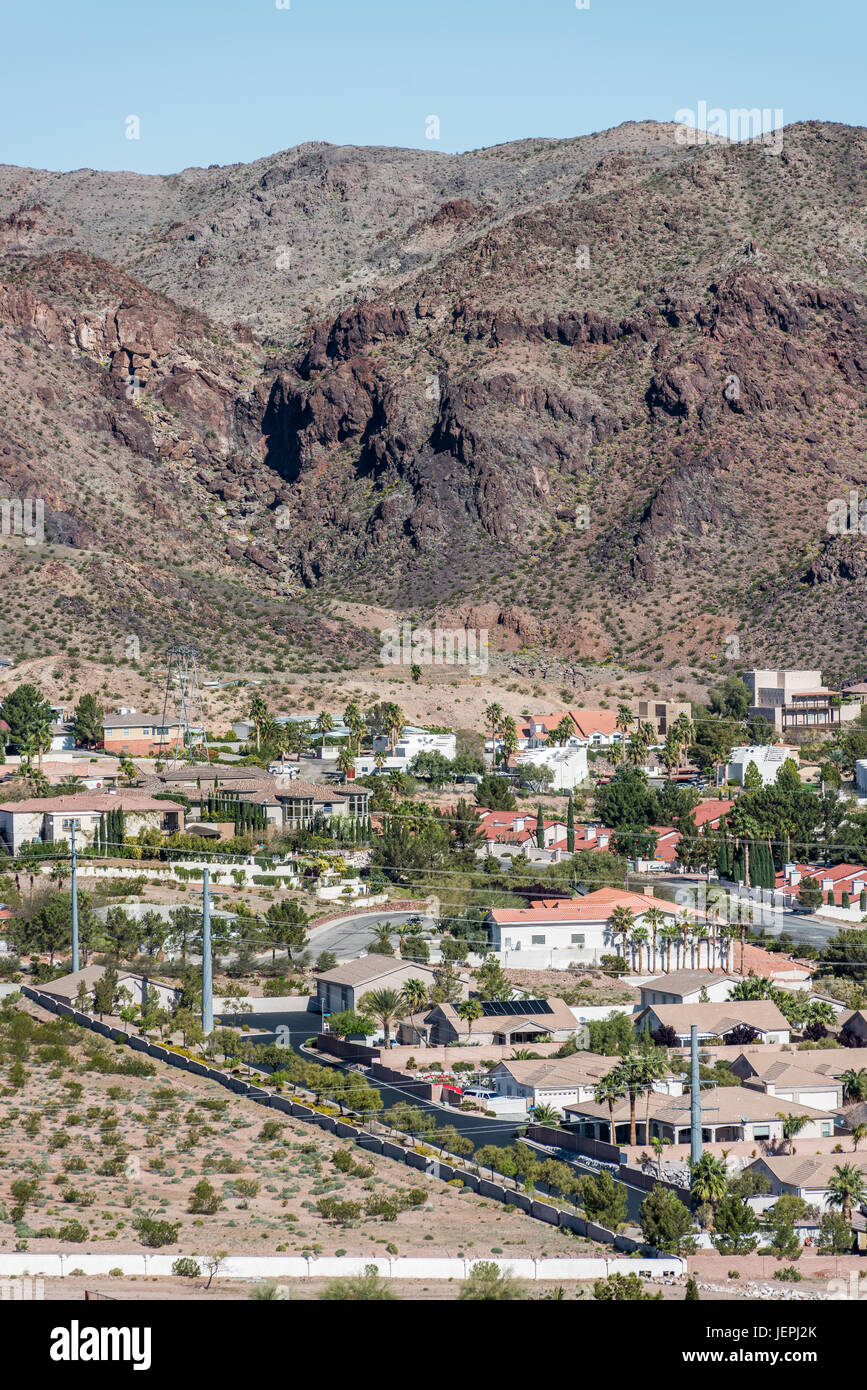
x: 687, y: 925
x: 652, y: 1069
x: 658, y: 1145
x: 345, y: 760
x: 493, y: 719
x: 609, y: 1091
x: 670, y: 933
x: 623, y: 722
x: 859, y: 1133
x: 620, y: 923
x: 654, y: 919
x: 386, y: 1005
x: 631, y: 1072
x: 639, y: 937
x: 258, y: 714
x: 414, y: 994
x: 845, y: 1186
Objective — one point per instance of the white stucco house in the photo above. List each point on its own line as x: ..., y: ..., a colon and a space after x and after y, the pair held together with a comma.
x: 552, y: 933
x: 567, y: 764
x: 767, y: 759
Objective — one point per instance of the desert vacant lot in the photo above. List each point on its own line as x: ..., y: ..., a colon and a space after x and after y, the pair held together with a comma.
x: 85, y: 1153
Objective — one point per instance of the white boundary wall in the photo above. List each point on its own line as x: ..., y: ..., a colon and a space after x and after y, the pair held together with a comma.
x: 53, y: 1266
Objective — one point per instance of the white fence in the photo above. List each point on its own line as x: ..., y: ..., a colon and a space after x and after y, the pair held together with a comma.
x: 57, y: 1266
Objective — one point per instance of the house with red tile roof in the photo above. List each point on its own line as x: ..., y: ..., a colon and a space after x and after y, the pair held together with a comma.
x: 833, y: 882
x: 708, y: 812
x: 551, y: 933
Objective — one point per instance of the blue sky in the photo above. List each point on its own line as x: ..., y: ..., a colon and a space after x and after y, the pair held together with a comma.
x: 233, y: 80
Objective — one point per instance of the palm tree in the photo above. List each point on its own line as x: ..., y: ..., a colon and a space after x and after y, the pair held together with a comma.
x: 258, y: 714
x: 469, y: 1010
x: 654, y: 918
x: 345, y: 760
x: 652, y: 1069
x: 854, y: 1084
x: 632, y: 1073
x: 658, y: 1144
x: 859, y: 1132
x: 670, y: 756
x: 620, y: 924
x: 792, y: 1126
x: 639, y: 936
x: 414, y: 994
x: 623, y: 722
x: 379, y: 759
x: 493, y: 719
x: 386, y: 1005
x: 382, y: 933
x: 608, y: 1092
x: 687, y: 926
x: 845, y: 1186
x: 708, y: 1180
x: 669, y: 932
x: 546, y: 1115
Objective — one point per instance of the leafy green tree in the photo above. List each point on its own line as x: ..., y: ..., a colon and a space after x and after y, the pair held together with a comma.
x: 87, y: 721
x: 29, y: 717
x: 492, y: 981
x: 285, y: 925
x: 665, y: 1222
x: 735, y: 1226
x: 105, y: 992
x: 347, y: 1022
x: 835, y: 1234
x: 604, y: 1200
x: 495, y: 793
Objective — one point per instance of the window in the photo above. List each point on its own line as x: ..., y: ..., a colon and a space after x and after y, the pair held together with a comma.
x: 826, y: 1129
x: 538, y: 941
x: 578, y: 938
x: 761, y: 1131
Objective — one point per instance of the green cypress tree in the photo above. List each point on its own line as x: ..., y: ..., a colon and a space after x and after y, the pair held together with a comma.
x: 570, y: 826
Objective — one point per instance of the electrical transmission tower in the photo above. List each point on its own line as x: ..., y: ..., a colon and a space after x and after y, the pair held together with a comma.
x: 182, y: 734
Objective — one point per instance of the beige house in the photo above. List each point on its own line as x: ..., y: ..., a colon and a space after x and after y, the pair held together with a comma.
x: 687, y: 986
x: 562, y: 1081
x: 802, y: 1175
x: 51, y: 818
x: 346, y: 985
x: 729, y: 1114
x: 503, y: 1023
x: 784, y: 1077
x: 65, y: 990
x: 716, y: 1020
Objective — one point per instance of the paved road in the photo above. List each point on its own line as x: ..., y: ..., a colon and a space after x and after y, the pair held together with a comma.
x: 297, y: 1026
x: 354, y: 933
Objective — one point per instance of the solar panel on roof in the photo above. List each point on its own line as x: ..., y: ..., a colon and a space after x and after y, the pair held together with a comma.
x: 512, y: 1007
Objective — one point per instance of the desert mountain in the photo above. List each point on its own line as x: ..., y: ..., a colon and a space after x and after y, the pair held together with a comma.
x: 598, y: 391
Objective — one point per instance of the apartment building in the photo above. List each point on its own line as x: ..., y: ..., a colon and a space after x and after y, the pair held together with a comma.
x: 798, y: 700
